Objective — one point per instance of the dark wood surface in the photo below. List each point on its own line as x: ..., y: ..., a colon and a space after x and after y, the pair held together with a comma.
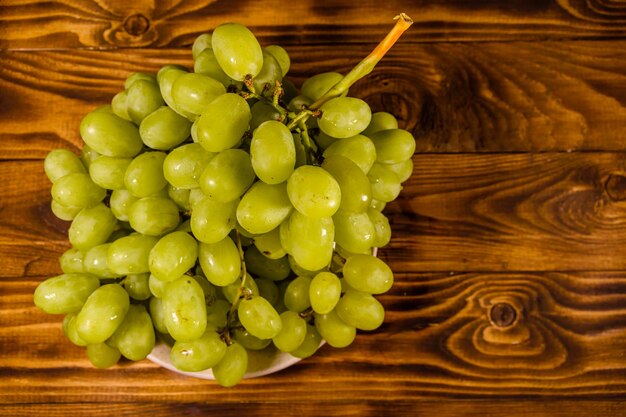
x: 509, y: 241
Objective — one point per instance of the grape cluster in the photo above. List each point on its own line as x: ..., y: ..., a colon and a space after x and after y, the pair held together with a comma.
x: 221, y: 211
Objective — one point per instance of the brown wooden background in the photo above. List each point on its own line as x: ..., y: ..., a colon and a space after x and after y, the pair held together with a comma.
x: 518, y: 200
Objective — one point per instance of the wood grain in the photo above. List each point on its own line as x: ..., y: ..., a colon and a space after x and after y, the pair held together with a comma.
x: 448, y: 408
x: 39, y: 24
x: 496, y: 97
x: 439, y: 339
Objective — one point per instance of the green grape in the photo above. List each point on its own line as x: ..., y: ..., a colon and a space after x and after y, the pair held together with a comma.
x: 232, y: 292
x: 248, y: 341
x: 63, y: 212
x: 119, y: 233
x: 195, y: 196
x: 77, y: 190
x: 360, y: 310
x: 316, y: 86
x: 382, y: 230
x: 310, y: 345
x: 292, y: 334
x: 102, y: 313
x: 232, y: 367
x: 269, y: 244
x: 184, y: 309
x: 220, y: 261
x: 258, y: 264
x: 299, y: 103
x: 91, y: 227
x: 136, y: 76
x: 95, y: 262
x: 356, y: 191
x: 385, y: 183
x: 313, y: 192
x: 102, y: 355
x: 217, y: 314
x: 354, y: 231
x: 173, y: 255
x: 324, y: 141
x: 166, y: 78
x: 164, y: 129
x: 144, y: 176
x: 180, y: 196
x: 201, y: 43
x: 343, y: 117
x: 300, y: 271
x: 137, y: 286
x: 184, y: 227
x: 153, y: 216
x: 118, y: 105
x: 227, y: 176
x: 368, y: 274
x: 289, y: 90
x: 65, y: 293
x: 237, y: 50
x: 335, y: 331
x: 282, y: 288
x: 272, y: 152
x: 72, y: 261
x: 223, y: 122
x: 209, y: 290
x: 263, y: 207
x: 88, y: 155
x: 377, y: 205
x: 393, y: 146
x: 381, y: 121
x: 324, y: 292
x: 129, y: 255
x: 301, y: 152
x: 212, y: 221
x: 134, y: 338
x: 184, y: 165
x: 106, y: 108
x: 297, y: 294
x: 267, y: 290
x: 270, y: 73
x: 206, y: 63
x: 192, y: 92
x: 199, y: 354
x: 403, y: 169
x: 157, y: 314
x: 311, y: 241
x: 61, y: 162
x: 281, y: 56
x: 359, y: 149
x: 261, y: 112
x: 69, y: 330
x: 344, y: 284
x: 120, y: 202
x: 157, y: 287
x: 259, y: 317
x: 142, y: 98
x: 108, y: 172
x: 110, y: 135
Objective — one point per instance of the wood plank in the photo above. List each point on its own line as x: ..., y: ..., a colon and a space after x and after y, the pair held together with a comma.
x: 494, y: 97
x: 459, y: 212
x: 441, y: 339
x: 442, y: 407
x: 114, y: 23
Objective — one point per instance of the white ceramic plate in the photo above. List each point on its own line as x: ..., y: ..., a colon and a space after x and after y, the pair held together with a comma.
x: 263, y: 362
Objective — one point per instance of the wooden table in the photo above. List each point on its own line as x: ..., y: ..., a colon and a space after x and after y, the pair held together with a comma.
x: 509, y: 241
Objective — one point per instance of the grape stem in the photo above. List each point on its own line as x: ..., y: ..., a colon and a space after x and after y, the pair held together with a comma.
x: 241, y: 291
x: 363, y: 68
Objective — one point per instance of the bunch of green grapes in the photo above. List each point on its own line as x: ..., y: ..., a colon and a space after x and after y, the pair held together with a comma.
x: 220, y: 211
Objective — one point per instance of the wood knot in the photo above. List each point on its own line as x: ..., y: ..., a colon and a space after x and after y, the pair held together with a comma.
x: 615, y: 187
x: 136, y: 24
x: 502, y: 315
